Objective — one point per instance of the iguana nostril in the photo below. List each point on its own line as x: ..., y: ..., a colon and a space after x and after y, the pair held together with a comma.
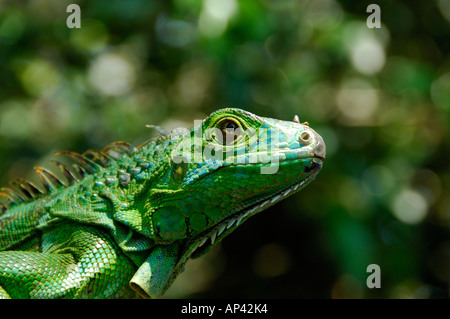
x: 314, y: 141
x: 305, y: 138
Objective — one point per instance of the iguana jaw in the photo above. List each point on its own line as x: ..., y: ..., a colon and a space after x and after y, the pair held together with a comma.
x: 195, y: 247
x: 201, y: 243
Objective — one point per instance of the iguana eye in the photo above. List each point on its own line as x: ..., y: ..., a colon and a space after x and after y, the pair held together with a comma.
x: 230, y: 131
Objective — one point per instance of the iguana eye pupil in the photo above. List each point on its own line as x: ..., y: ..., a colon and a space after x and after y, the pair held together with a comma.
x: 230, y: 126
x: 229, y: 133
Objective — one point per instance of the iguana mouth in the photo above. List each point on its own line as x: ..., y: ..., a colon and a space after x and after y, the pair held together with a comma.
x: 201, y: 243
x: 322, y: 159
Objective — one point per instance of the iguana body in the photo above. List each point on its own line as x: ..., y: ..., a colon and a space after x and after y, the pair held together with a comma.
x: 130, y: 218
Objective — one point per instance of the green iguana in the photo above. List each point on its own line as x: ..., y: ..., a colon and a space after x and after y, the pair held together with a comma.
x: 126, y: 219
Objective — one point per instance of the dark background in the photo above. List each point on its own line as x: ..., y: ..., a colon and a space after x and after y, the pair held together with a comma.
x: 379, y: 97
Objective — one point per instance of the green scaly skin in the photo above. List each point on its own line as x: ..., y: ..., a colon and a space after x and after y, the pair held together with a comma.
x: 130, y: 218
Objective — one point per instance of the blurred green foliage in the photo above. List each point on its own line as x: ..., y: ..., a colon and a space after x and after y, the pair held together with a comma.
x: 379, y: 97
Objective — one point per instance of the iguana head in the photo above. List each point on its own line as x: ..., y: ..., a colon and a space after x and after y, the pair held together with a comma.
x: 229, y: 167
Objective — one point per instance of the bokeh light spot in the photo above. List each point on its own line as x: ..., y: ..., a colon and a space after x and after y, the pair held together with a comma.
x: 214, y: 17
x: 357, y: 101
x: 112, y: 74
x: 368, y: 55
x: 409, y: 206
x: 39, y: 77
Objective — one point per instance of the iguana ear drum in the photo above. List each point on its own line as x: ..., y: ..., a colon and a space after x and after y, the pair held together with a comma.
x: 169, y: 223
